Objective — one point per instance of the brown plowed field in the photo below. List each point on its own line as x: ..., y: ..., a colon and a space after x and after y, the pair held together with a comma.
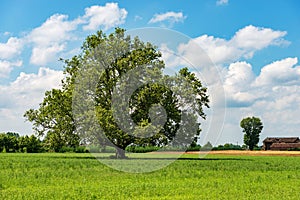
x: 249, y: 153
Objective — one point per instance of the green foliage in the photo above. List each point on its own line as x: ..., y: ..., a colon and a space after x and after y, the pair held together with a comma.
x: 78, y: 149
x: 141, y: 149
x: 294, y: 149
x: 54, y: 119
x: 228, y: 147
x: 81, y: 176
x: 30, y: 144
x: 145, y: 149
x: 17, y: 135
x: 207, y: 147
x: 13, y: 142
x: 252, y: 127
x: 116, y: 55
x: 8, y: 142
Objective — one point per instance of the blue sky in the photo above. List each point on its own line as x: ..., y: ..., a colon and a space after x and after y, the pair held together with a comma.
x: 254, y: 44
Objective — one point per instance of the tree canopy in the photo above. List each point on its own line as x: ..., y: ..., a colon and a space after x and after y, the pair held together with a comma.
x: 115, y: 93
x: 252, y: 127
x: 13, y: 142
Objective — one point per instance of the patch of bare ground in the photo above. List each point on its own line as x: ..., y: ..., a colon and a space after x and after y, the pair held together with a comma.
x: 249, y: 153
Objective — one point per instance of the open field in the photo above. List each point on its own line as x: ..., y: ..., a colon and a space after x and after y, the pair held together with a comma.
x: 250, y: 153
x: 81, y: 176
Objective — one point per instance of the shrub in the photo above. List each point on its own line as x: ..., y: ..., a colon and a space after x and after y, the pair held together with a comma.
x: 207, y: 147
x: 141, y: 149
x: 227, y: 147
x: 65, y: 149
x: 81, y: 149
x: 194, y: 148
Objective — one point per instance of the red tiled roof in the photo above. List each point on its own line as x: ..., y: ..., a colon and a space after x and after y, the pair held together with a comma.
x: 282, y: 139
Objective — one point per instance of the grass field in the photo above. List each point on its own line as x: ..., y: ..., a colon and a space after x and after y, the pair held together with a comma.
x: 81, y: 176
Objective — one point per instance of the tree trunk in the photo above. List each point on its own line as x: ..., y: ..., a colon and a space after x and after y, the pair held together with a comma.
x: 120, y: 153
x: 251, y: 147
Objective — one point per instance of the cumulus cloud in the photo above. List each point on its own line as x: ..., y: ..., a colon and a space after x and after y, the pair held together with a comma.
x: 7, y: 66
x: 276, y: 80
x: 237, y: 84
x: 43, y: 55
x: 107, y: 16
x: 55, y: 29
x: 219, y: 50
x: 49, y: 39
x: 279, y: 72
x: 273, y: 95
x: 243, y: 44
x: 170, y: 17
x: 11, y: 48
x: 26, y: 92
x: 47, y: 43
x: 257, y: 37
x: 28, y: 89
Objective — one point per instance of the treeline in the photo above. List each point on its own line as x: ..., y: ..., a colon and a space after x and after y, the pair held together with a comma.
x: 193, y: 147
x: 11, y: 142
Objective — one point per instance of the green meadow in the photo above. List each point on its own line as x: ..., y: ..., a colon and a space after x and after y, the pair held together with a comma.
x: 81, y: 176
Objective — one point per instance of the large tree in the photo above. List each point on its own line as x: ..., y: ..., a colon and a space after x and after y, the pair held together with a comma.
x: 120, y: 97
x: 252, y: 127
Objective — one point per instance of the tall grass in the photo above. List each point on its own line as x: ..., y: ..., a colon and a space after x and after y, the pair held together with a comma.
x: 81, y: 176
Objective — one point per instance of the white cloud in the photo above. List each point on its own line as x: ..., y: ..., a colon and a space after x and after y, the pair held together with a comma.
x: 277, y: 80
x: 11, y: 48
x: 243, y: 44
x: 221, y: 2
x: 49, y: 39
x: 107, y: 16
x: 171, y: 17
x: 43, y: 55
x: 257, y: 38
x: 237, y: 84
x: 279, y: 72
x: 219, y: 50
x: 7, y: 66
x: 55, y: 29
x: 26, y: 92
x: 46, y: 43
x: 28, y: 89
x: 273, y: 95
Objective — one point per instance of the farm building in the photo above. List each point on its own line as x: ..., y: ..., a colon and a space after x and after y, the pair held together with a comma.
x: 284, y: 143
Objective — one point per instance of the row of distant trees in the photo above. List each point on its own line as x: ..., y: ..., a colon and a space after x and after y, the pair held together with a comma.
x: 11, y: 142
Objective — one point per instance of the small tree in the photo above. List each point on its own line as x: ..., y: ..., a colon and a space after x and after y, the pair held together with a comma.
x: 9, y: 142
x: 252, y: 127
x: 29, y: 144
x: 207, y: 147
